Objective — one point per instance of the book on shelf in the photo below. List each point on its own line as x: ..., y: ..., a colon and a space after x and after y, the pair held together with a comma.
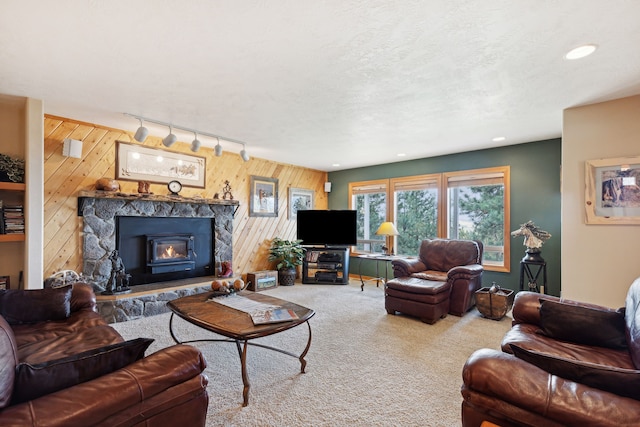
x: 11, y: 219
x: 275, y: 315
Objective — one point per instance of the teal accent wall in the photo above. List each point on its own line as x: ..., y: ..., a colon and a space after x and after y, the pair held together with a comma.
x: 535, y: 195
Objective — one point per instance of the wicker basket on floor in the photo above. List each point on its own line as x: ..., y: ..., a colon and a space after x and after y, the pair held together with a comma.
x: 494, y: 303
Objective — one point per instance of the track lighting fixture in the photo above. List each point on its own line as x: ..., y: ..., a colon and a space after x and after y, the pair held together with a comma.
x: 218, y: 148
x: 244, y: 154
x: 195, y: 144
x: 142, y: 133
x: 170, y: 139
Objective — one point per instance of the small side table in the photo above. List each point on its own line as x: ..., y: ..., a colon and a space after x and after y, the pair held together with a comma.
x: 385, y: 259
x: 531, y: 266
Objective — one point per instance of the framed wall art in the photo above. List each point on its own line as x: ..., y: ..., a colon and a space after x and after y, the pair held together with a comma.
x: 300, y: 199
x: 138, y: 163
x: 612, y: 191
x: 263, y: 198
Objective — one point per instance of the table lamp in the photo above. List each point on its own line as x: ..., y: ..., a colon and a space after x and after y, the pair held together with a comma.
x: 387, y: 229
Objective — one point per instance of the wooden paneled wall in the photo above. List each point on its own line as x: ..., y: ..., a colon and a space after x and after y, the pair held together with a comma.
x: 66, y: 176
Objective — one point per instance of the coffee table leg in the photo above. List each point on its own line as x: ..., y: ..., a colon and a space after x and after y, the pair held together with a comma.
x: 245, y: 377
x: 303, y: 363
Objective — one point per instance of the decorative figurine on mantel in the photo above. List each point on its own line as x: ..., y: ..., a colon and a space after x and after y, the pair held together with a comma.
x: 534, y: 237
x: 227, y: 191
x: 143, y: 187
x: 119, y: 279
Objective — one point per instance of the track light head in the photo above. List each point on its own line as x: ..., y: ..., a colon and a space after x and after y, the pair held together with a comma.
x: 195, y: 144
x: 141, y: 133
x: 218, y: 148
x: 244, y: 154
x: 170, y: 139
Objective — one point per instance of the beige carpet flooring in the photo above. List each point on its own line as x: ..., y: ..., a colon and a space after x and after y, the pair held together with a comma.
x: 365, y: 367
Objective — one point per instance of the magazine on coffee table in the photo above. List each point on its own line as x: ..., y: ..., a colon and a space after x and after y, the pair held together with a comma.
x: 260, y: 313
x: 274, y: 315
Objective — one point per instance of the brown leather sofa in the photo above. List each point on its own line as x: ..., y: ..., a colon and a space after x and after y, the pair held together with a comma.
x: 443, y: 279
x: 563, y: 363
x: 61, y: 364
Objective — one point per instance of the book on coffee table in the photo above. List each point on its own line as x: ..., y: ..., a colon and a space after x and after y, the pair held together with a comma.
x: 274, y: 315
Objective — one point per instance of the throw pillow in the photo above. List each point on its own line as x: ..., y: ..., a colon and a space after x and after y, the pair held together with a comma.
x: 623, y: 382
x: 583, y: 325
x: 8, y: 362
x: 35, y: 305
x: 33, y: 381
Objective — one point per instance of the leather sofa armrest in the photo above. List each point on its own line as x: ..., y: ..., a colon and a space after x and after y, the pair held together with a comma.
x: 526, y: 306
x: 469, y: 271
x: 495, y: 377
x: 404, y: 267
x: 83, y: 298
x: 92, y: 402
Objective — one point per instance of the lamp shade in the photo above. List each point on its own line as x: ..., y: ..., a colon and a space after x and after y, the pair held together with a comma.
x: 387, y: 229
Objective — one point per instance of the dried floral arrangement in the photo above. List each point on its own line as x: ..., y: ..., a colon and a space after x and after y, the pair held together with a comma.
x: 11, y: 169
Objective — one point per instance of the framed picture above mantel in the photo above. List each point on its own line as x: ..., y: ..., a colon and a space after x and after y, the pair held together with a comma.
x: 135, y: 162
x: 612, y: 191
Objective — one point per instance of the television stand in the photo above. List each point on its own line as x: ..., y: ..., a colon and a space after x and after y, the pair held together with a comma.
x: 326, y: 266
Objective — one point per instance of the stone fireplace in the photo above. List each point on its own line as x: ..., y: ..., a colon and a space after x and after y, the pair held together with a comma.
x: 152, y: 219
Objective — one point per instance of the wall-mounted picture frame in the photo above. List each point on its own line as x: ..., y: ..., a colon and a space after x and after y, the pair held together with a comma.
x: 138, y: 163
x: 263, y: 196
x: 300, y: 199
x: 612, y: 194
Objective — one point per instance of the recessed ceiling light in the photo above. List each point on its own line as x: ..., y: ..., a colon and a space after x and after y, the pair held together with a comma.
x: 401, y: 154
x: 499, y: 139
x: 335, y: 165
x: 581, y: 51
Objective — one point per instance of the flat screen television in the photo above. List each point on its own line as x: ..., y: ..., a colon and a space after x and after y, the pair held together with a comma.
x: 327, y: 228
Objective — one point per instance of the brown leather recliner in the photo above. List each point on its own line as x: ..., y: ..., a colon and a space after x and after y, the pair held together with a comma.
x: 443, y: 279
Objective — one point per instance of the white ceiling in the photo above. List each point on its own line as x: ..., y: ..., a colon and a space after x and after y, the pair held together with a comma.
x: 314, y: 83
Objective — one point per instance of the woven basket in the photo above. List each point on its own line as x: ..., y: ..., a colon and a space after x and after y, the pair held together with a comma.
x: 494, y: 305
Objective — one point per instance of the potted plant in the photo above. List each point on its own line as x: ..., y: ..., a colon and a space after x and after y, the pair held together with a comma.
x: 288, y: 254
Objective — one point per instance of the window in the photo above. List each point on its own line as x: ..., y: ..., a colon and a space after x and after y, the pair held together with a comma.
x: 477, y: 207
x: 471, y: 204
x: 369, y: 199
x: 415, y: 211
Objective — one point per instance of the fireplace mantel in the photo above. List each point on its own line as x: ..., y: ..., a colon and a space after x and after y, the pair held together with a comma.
x: 116, y: 195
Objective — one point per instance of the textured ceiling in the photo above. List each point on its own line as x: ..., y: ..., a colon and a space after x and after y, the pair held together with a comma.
x: 315, y: 83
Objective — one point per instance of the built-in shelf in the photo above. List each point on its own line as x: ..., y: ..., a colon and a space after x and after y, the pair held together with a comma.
x: 11, y: 238
x: 12, y: 186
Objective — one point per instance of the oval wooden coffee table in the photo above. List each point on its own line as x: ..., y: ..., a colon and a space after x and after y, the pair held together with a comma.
x: 237, y: 325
